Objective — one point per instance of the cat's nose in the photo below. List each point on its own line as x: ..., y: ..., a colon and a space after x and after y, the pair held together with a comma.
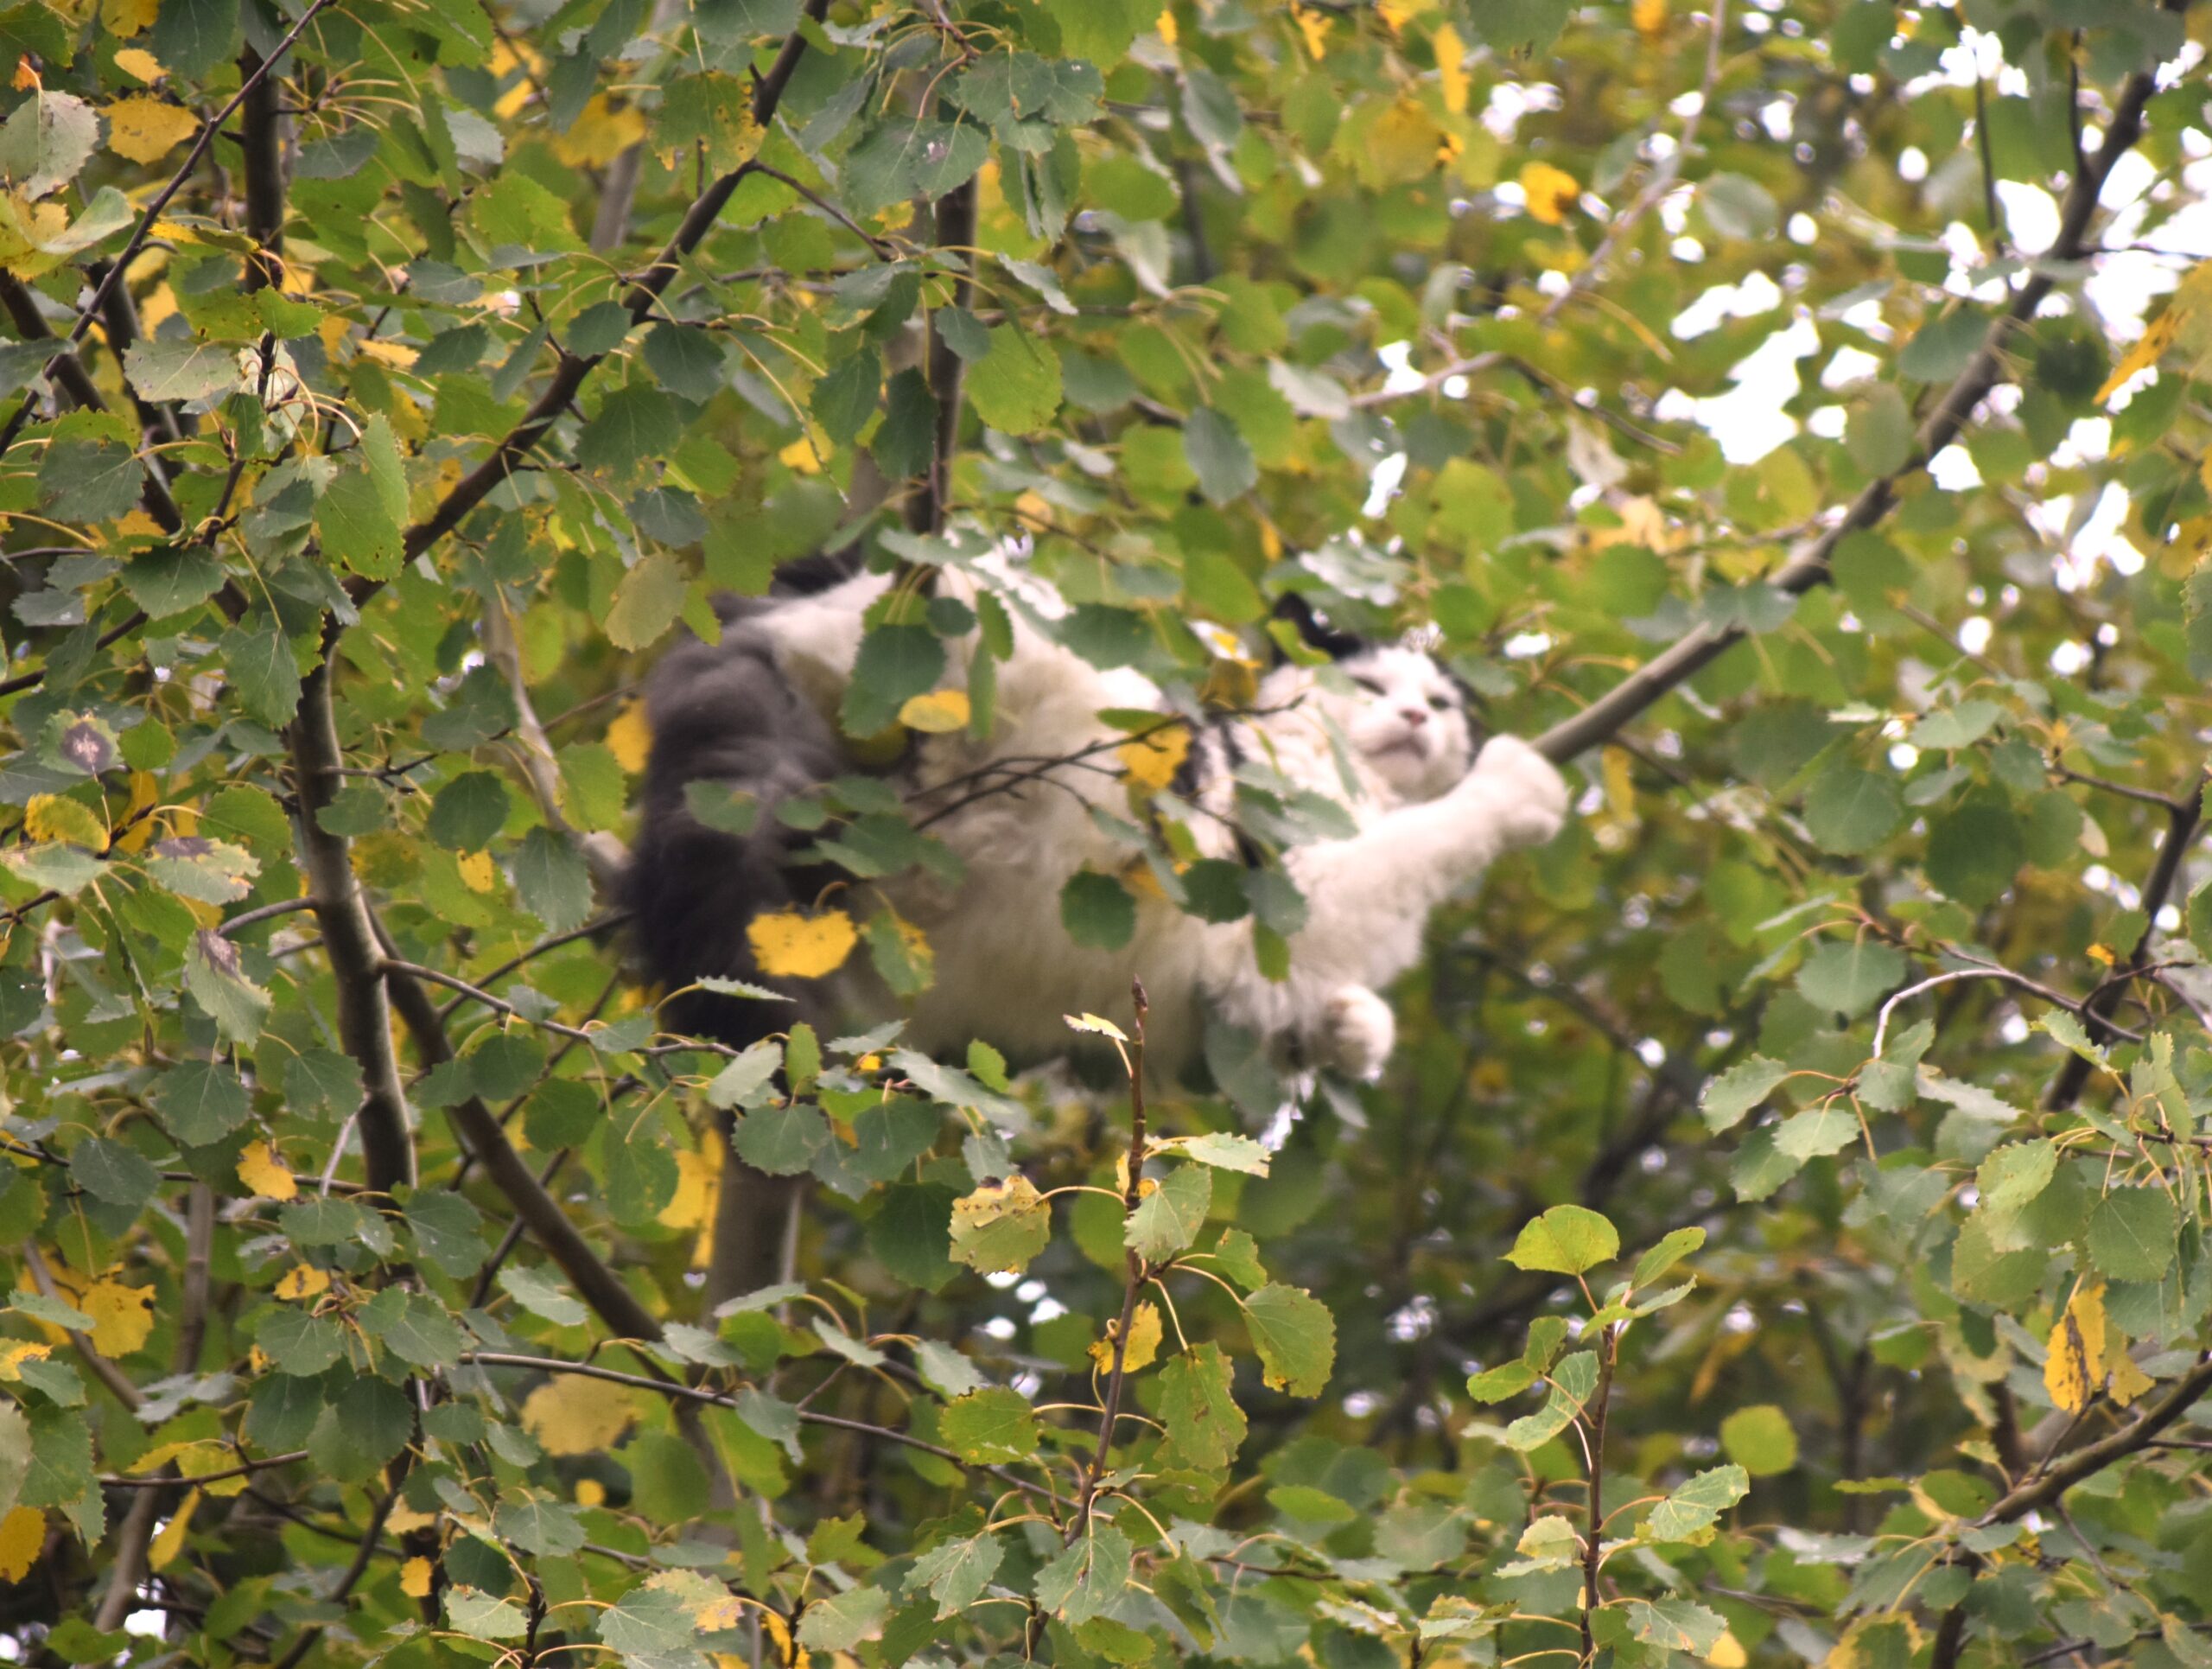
x: 1416, y: 716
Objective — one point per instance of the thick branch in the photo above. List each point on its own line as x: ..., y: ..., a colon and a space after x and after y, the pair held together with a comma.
x: 1808, y: 566
x: 349, y: 938
x: 261, y: 142
x: 956, y: 230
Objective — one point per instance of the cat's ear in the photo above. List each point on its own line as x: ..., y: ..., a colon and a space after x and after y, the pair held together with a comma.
x: 1315, y: 629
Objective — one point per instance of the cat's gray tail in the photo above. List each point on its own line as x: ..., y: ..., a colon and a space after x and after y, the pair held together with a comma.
x: 723, y: 715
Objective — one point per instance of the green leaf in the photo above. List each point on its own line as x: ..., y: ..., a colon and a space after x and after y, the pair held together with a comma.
x: 1000, y: 1225
x: 1676, y: 1625
x: 185, y: 369
x: 648, y: 602
x: 109, y: 1171
x: 1727, y: 1099
x: 480, y: 1616
x: 469, y: 812
x: 552, y: 880
x: 633, y: 423
x: 537, y: 1292
x: 1167, y: 1219
x: 1224, y: 1151
x: 190, y: 37
x: 1848, y: 977
x: 1295, y: 1335
x: 214, y: 974
x: 258, y: 659
x: 1975, y: 849
x: 2014, y: 1175
x: 47, y: 141
x: 955, y: 1573
x: 845, y: 1621
x: 993, y: 1425
x: 1218, y: 456
x: 1670, y: 1250
x: 1016, y: 386
x: 200, y: 1101
x: 2133, y: 1233
x: 1760, y: 1440
x: 1850, y: 810
x: 1697, y: 1504
x: 1199, y: 1408
x: 896, y: 663
x: 1089, y: 1576
x: 1098, y: 911
x: 1566, y: 1240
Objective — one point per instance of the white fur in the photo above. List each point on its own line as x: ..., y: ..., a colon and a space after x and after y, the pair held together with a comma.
x: 1007, y: 971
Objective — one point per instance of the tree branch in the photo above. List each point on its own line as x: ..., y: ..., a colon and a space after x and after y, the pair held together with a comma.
x: 1808, y: 566
x: 348, y: 937
x: 956, y: 230
x: 1132, y: 1189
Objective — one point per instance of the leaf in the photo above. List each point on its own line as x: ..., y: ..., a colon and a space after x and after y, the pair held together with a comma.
x: 895, y: 664
x: 1736, y: 1091
x: 1218, y: 456
x: 2014, y: 1175
x: 1167, y: 1218
x: 1196, y: 1405
x: 571, y: 1414
x: 648, y: 602
x: 1090, y: 1575
x: 1697, y: 1504
x: 993, y: 1425
x: 1146, y: 1331
x: 1016, y: 385
x: 791, y: 945
x: 1564, y: 1240
x: 180, y: 369
x: 536, y: 1292
x: 1850, y: 810
x: 1760, y: 1440
x: 839, y: 1624
x: 480, y: 1616
x: 121, y: 1316
x: 1676, y: 1625
x: 936, y: 712
x: 955, y: 1573
x: 1000, y: 1225
x: 1849, y: 979
x: 261, y: 670
x: 1670, y: 1250
x: 2131, y: 1233
x: 2074, y: 1369
x: 200, y: 1101
x: 47, y: 141
x: 214, y: 974
x: 1223, y: 1149
x: 1098, y: 911
x: 552, y: 880
x: 212, y: 871
x: 190, y: 37
x: 22, y: 1538
x: 1295, y: 1335
x: 266, y: 1175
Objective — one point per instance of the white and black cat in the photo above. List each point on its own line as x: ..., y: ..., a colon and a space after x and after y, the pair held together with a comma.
x: 1385, y: 737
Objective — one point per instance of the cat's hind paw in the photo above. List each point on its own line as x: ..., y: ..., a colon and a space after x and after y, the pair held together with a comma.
x: 1534, y: 797
x: 1357, y: 1032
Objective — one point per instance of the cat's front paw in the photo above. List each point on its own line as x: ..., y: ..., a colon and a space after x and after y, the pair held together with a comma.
x: 1357, y: 1032
x: 1534, y: 799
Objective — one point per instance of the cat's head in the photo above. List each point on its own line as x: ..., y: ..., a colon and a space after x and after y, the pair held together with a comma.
x: 1401, y: 714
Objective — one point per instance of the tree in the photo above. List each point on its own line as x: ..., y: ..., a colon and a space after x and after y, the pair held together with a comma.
x: 1781, y: 1236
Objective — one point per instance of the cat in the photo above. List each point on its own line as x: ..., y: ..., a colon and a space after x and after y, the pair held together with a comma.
x: 1382, y: 736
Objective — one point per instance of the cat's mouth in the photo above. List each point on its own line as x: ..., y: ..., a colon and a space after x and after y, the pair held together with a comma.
x: 1414, y: 745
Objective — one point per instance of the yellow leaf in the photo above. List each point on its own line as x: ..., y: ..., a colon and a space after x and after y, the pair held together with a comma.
x: 403, y: 1520
x: 57, y: 817
x: 127, y: 18
x: 1620, y: 787
x: 397, y: 355
x: 478, y: 872
x: 1144, y: 1341
x: 630, y: 738
x: 270, y: 1178
x: 145, y: 790
x: 121, y: 1316
x: 601, y: 134
x: 1167, y: 25
x: 303, y: 1281
x: 1401, y: 146
x: 1727, y: 1653
x: 790, y: 946
x: 2128, y: 1380
x: 1551, y: 192
x: 15, y: 1353
x: 2075, y: 1368
x: 1451, y: 68
x: 573, y: 1415
x: 170, y: 1542
x: 139, y: 65
x: 804, y: 455
x: 1314, y: 26
x: 1650, y: 17
x: 936, y: 712
x: 415, y: 1578
x: 590, y: 1491
x: 2177, y: 319
x: 1152, y: 760
x: 145, y: 129
x: 1394, y: 13
x: 698, y: 1173
x: 22, y: 1538
x: 507, y: 57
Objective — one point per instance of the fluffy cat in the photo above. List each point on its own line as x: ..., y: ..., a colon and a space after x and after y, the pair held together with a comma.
x: 1385, y: 738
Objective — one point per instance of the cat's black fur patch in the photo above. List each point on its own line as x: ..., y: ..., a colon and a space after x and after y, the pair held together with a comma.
x: 1317, y: 630
x: 723, y: 713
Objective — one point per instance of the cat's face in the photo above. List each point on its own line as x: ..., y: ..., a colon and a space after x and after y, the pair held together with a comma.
x: 1405, y: 719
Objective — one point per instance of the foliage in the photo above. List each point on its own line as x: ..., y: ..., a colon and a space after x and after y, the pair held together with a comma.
x: 1781, y: 1235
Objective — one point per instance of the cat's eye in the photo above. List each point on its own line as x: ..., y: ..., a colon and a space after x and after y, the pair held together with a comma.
x: 1372, y: 686
x: 1439, y: 704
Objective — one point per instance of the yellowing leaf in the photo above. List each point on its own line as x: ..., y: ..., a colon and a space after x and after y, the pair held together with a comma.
x: 1167, y: 25
x: 121, y: 1316
x: 1314, y: 26
x: 145, y: 791
x: 1401, y: 146
x: 392, y: 353
x: 2075, y: 1369
x: 936, y: 712
x: 23, y: 1538
x: 1551, y: 192
x: 140, y: 65
x: 270, y: 1178
x: 2128, y: 1380
x: 804, y: 455
x: 790, y: 946
x: 1451, y: 68
x: 15, y: 1353
x: 478, y: 873
x: 415, y: 1578
x: 145, y: 129
x: 1650, y: 17
x: 57, y: 817
x: 573, y: 1415
x: 601, y: 134
x: 1144, y: 1341
x: 1153, y: 760
x: 1395, y: 14
x: 127, y: 18
x: 697, y: 1174
x: 303, y: 1281
x: 590, y: 1491
x: 1727, y: 1652
x: 630, y: 738
x: 170, y: 1542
